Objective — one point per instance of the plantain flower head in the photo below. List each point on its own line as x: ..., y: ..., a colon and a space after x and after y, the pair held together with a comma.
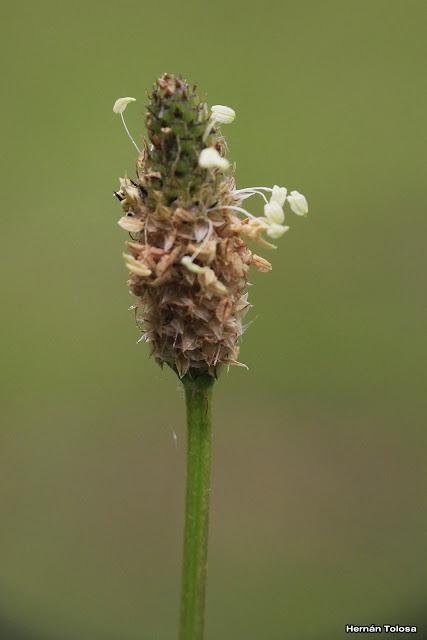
x: 187, y: 254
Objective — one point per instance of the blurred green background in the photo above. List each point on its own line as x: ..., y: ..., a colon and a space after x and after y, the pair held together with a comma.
x: 319, y: 501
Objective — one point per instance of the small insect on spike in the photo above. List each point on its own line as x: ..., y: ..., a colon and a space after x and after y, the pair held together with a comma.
x: 119, y: 108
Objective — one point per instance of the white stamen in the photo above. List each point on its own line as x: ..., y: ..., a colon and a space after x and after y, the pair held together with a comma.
x: 298, y: 203
x: 254, y: 189
x: 223, y: 114
x: 119, y: 108
x: 209, y: 158
x: 139, y: 268
x: 276, y: 230
x: 121, y: 104
x: 274, y: 212
x: 248, y: 193
x: 131, y: 224
x: 279, y: 195
x: 220, y: 114
x: 189, y: 264
x: 129, y: 134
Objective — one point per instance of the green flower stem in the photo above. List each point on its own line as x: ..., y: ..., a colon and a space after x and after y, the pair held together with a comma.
x: 198, y: 395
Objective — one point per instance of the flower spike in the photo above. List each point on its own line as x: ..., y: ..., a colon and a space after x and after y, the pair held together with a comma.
x: 188, y: 258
